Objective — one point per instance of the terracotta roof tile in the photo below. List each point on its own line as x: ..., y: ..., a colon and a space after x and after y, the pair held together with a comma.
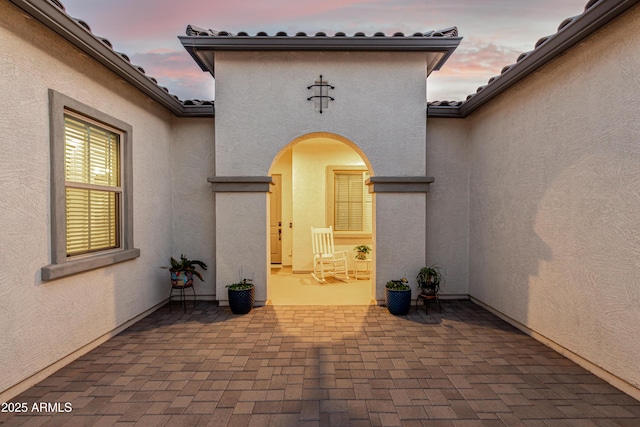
x: 193, y: 30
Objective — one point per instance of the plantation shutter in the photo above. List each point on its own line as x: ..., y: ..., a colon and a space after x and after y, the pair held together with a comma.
x: 352, y: 204
x: 93, y: 187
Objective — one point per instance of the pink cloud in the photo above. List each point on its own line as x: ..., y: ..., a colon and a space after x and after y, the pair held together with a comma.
x: 470, y: 67
x: 176, y: 71
x: 477, y: 57
x: 158, y: 18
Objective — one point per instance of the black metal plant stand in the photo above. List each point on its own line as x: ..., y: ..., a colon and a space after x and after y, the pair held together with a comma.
x: 182, y: 296
x: 426, y: 298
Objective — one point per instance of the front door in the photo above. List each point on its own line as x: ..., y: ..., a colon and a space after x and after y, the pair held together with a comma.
x: 275, y: 226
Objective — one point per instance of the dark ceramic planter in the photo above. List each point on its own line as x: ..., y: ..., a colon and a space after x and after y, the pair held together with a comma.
x: 241, y: 302
x: 398, y: 302
x: 181, y: 278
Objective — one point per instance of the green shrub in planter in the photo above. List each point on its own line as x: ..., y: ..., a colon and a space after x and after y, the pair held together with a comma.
x: 362, y: 251
x: 241, y: 296
x: 398, y: 296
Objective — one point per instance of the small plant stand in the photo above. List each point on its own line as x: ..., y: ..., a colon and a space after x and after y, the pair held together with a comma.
x: 181, y: 294
x: 367, y: 267
x: 427, y: 298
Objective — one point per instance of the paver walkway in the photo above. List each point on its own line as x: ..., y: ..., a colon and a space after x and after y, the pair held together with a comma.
x: 317, y: 366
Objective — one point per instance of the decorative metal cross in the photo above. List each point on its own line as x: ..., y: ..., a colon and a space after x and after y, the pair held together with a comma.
x: 320, y: 85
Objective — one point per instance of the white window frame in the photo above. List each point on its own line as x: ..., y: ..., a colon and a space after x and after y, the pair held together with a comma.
x: 330, y: 213
x: 61, y: 264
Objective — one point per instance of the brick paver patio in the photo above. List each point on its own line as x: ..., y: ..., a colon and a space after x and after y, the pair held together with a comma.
x: 316, y: 366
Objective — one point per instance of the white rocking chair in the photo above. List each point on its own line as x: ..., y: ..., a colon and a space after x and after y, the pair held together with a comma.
x: 326, y: 261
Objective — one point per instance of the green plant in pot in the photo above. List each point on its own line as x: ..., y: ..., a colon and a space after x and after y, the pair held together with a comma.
x: 398, y: 296
x: 362, y: 251
x: 241, y: 296
x: 183, y: 270
x: 430, y: 279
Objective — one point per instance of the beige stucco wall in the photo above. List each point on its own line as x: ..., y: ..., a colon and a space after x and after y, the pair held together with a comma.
x: 262, y: 106
x: 555, y: 167
x: 42, y: 322
x: 448, y: 150
x: 192, y: 212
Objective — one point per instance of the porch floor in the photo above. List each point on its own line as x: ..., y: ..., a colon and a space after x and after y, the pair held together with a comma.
x: 330, y: 365
x: 288, y: 288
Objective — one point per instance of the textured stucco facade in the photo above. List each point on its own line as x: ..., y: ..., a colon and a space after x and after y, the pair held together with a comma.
x: 44, y: 322
x: 192, y: 204
x: 448, y: 149
x: 555, y: 166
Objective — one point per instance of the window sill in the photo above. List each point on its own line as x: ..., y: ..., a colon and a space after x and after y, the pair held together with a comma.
x: 56, y: 271
x: 351, y: 235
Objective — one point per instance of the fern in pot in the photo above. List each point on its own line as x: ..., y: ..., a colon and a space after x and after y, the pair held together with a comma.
x: 430, y: 279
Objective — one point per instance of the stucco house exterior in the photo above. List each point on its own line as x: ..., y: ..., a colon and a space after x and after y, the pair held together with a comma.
x: 526, y: 192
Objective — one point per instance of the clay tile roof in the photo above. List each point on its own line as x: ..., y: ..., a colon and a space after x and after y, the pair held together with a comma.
x: 201, y: 43
x: 196, y: 31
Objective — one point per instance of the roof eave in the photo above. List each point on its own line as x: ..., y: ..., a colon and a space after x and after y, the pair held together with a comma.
x: 198, y: 110
x: 447, y: 112
x: 68, y: 28
x: 201, y: 47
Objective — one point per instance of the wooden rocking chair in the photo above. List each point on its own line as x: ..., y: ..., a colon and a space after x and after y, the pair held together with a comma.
x: 326, y: 261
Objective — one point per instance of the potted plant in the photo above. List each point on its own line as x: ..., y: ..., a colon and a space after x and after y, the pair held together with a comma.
x: 241, y: 296
x: 430, y: 279
x: 183, y: 270
x: 362, y: 251
x: 398, y: 296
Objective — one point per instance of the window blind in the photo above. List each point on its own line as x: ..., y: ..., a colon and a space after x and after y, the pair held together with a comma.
x: 93, y: 192
x: 353, y: 203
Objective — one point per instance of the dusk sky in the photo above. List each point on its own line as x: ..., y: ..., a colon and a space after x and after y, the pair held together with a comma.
x: 494, y: 32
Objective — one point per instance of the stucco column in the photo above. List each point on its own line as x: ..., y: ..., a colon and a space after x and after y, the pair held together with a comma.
x: 401, y: 229
x: 241, y: 234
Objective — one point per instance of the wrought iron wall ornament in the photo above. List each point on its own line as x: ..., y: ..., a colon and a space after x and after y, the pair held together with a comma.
x: 319, y: 88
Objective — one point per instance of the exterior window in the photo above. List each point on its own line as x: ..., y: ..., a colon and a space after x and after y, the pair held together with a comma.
x: 352, y: 202
x: 91, y: 189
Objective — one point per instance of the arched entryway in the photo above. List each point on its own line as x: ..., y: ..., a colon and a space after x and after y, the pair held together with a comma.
x: 319, y: 181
